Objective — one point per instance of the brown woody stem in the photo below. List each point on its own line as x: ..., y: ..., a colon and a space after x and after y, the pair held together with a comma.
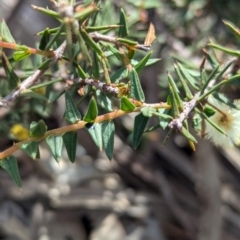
x: 76, y: 126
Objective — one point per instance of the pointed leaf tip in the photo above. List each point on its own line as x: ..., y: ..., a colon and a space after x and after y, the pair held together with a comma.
x: 70, y: 141
x: 123, y: 30
x: 136, y: 91
x: 126, y: 105
x: 55, y: 144
x: 140, y: 123
x: 37, y: 129
x: 72, y: 114
x: 10, y: 165
x: 108, y: 129
x: 92, y: 111
x: 5, y: 33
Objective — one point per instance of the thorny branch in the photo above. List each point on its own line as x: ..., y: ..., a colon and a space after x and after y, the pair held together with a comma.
x: 103, y: 87
x: 177, y: 123
x: 28, y: 82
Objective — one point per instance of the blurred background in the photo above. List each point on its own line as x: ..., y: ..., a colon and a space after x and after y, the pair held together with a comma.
x: 154, y: 193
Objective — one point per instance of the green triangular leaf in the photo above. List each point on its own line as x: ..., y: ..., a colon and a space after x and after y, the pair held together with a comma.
x: 136, y: 91
x: 126, y: 105
x: 12, y: 77
x: 71, y: 114
x: 143, y: 62
x: 37, y: 129
x: 108, y: 129
x: 10, y: 165
x: 96, y: 133
x: 55, y: 143
x: 140, y: 123
x: 95, y: 67
x: 104, y: 101
x: 44, y: 39
x: 20, y: 55
x: 70, y: 141
x: 123, y: 30
x: 31, y: 149
x: 92, y: 111
x: 5, y: 33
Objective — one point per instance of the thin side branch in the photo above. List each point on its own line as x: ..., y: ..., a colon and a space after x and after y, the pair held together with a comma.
x: 103, y: 87
x: 28, y: 82
x: 76, y: 126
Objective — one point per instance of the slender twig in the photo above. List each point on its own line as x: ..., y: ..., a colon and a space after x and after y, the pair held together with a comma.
x: 28, y: 82
x: 76, y: 126
x: 99, y: 37
x: 177, y: 123
x: 103, y: 87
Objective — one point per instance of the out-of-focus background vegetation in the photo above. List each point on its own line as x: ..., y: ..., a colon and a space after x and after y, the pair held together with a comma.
x: 154, y: 193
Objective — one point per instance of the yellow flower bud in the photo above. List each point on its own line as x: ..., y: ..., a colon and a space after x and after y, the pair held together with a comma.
x: 19, y: 132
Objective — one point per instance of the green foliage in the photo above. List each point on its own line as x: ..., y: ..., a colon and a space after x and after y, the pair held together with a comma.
x: 37, y: 129
x: 31, y: 148
x: 45, y: 39
x: 126, y: 105
x: 136, y: 91
x: 95, y: 131
x: 55, y: 144
x: 108, y: 130
x: 12, y: 77
x: 5, y: 34
x: 104, y: 101
x: 92, y: 111
x: 123, y: 29
x: 11, y: 167
x: 20, y: 55
x: 71, y: 114
x: 140, y: 123
x: 95, y: 60
x: 70, y: 141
